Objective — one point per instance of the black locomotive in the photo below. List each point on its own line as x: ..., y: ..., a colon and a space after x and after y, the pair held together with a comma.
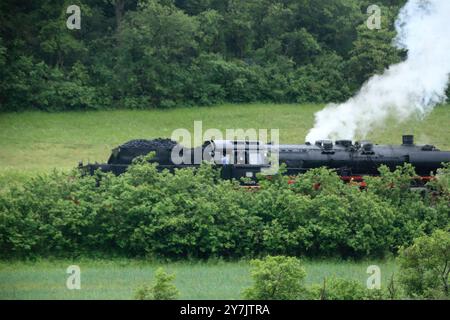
x: 238, y: 159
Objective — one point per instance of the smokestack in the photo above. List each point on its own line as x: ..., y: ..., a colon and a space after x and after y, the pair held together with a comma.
x: 408, y: 140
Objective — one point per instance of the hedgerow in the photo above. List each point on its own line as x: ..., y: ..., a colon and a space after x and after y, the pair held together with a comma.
x: 192, y: 213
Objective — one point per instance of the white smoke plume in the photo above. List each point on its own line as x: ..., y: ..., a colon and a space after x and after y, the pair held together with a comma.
x: 412, y: 87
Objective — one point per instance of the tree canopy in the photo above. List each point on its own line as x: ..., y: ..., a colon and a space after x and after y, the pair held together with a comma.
x: 164, y: 53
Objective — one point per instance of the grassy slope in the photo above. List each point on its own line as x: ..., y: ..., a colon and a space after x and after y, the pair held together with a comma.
x: 117, y: 279
x: 37, y: 141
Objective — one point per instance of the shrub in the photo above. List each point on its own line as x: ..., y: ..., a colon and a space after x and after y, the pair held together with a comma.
x: 425, y: 266
x: 342, y: 289
x: 276, y: 278
x: 393, y: 290
x: 345, y: 289
x: 161, y: 289
x: 441, y: 183
x: 193, y: 213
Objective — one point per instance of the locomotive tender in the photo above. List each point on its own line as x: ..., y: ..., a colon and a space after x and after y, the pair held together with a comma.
x: 240, y: 158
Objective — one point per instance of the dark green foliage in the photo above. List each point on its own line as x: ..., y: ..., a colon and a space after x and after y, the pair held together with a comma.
x: 276, y: 278
x: 372, y: 51
x: 161, y: 289
x: 425, y: 266
x: 192, y: 213
x: 344, y: 289
x: 164, y: 53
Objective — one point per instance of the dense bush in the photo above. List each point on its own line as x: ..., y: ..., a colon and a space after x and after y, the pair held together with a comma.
x: 338, y: 289
x: 193, y: 213
x: 161, y: 289
x: 425, y: 266
x: 276, y: 278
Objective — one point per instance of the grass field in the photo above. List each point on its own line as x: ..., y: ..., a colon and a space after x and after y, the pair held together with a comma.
x: 117, y: 279
x: 38, y: 141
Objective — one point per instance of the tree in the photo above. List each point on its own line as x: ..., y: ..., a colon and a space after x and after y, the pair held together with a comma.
x: 162, y: 288
x: 276, y: 278
x: 372, y: 51
x: 157, y: 44
x: 425, y: 266
x: 332, y: 23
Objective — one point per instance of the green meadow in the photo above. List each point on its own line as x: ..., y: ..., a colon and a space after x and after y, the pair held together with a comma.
x: 118, y: 279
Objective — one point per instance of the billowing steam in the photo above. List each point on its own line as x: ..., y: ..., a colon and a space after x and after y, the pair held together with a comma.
x: 412, y: 87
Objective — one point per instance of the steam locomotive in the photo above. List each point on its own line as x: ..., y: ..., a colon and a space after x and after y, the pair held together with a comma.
x: 242, y: 158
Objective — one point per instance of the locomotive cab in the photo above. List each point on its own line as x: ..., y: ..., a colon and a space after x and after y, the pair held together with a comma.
x: 238, y: 158
x: 237, y: 152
